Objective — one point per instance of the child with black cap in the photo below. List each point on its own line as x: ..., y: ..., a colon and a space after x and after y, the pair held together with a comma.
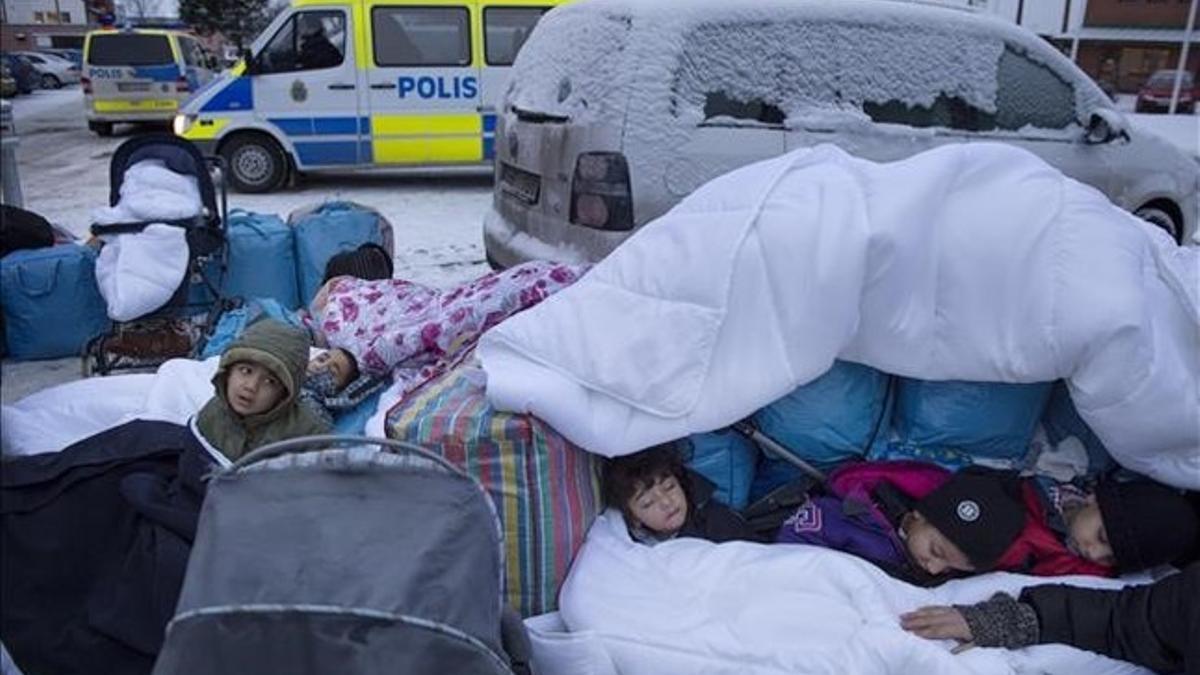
x: 964, y: 523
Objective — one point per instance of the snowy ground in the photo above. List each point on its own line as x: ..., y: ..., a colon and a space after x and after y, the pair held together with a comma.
x: 436, y: 216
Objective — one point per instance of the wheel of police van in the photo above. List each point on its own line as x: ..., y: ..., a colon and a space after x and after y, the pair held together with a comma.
x: 255, y: 163
x: 1159, y: 217
x: 50, y: 82
x: 101, y: 128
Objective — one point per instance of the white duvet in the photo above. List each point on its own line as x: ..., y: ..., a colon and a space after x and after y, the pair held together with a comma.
x: 53, y: 418
x: 690, y: 606
x: 969, y: 262
x: 139, y: 272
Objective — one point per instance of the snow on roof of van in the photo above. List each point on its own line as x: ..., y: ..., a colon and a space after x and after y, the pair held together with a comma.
x: 808, y: 57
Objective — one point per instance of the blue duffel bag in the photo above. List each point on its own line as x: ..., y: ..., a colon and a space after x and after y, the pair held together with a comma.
x: 985, y: 420
x: 836, y: 417
x: 327, y: 230
x: 262, y: 259
x: 52, y: 305
x: 726, y: 458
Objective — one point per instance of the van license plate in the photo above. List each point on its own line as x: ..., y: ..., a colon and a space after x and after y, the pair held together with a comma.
x: 133, y: 86
x: 519, y: 183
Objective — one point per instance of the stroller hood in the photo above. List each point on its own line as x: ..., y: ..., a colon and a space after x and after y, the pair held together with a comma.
x: 344, y: 560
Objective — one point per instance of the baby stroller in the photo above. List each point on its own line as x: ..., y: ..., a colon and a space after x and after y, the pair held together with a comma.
x: 176, y: 328
x: 337, y: 554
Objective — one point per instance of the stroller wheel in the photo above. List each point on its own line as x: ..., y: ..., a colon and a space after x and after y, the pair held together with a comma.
x: 256, y: 163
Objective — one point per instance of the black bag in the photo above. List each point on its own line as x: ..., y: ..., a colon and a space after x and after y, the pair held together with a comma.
x: 23, y: 229
x: 766, y: 515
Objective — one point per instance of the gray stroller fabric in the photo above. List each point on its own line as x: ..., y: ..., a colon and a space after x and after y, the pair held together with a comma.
x: 341, y: 561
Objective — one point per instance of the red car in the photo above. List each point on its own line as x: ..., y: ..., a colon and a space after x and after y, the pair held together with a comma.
x: 1155, y: 95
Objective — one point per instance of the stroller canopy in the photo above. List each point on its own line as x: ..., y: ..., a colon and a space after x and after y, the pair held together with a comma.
x: 343, y: 560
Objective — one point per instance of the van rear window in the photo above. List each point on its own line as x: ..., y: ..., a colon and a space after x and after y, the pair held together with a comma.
x: 124, y: 49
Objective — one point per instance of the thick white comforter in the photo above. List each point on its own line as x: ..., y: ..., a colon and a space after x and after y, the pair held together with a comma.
x: 970, y: 262
x: 52, y: 419
x: 138, y: 272
x: 690, y: 606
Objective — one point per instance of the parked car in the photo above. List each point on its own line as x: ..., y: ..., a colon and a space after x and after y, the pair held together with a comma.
x: 23, y: 71
x: 1155, y: 94
x: 8, y: 83
x: 73, y: 55
x: 53, y: 72
x: 614, y: 113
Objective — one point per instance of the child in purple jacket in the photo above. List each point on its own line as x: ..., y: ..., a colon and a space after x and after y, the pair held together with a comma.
x: 964, y: 525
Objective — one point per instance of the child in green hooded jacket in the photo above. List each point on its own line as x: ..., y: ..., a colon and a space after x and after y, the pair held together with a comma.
x: 258, y: 385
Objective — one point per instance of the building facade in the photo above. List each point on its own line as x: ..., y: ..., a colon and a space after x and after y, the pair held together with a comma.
x: 35, y: 24
x: 1118, y: 42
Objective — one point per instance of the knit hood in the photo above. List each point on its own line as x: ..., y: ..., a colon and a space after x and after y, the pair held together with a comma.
x: 283, y: 351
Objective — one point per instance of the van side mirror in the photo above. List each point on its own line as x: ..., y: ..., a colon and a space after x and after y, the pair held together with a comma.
x: 1105, y: 126
x: 248, y: 59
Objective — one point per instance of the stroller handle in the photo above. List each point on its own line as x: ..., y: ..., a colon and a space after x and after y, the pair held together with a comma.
x: 312, y: 442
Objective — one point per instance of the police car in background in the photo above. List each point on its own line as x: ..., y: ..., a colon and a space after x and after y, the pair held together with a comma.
x: 140, y: 75
x: 362, y: 83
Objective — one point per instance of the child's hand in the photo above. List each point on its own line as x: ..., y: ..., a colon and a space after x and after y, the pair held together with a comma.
x: 937, y: 623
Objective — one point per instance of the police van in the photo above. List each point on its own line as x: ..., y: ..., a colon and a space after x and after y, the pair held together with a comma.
x: 140, y: 75
x: 362, y: 83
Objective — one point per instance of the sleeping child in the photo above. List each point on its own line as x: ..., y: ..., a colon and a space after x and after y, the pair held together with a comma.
x: 333, y: 384
x: 900, y: 516
x: 1127, y: 527
x: 965, y: 524
x: 661, y: 499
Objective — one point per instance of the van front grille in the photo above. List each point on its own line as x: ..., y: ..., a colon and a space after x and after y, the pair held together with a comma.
x: 521, y: 184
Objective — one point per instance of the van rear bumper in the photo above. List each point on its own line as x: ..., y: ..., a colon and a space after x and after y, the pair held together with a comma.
x: 148, y: 116
x: 506, y: 244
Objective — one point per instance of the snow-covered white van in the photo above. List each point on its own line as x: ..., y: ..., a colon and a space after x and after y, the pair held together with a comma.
x: 342, y: 84
x: 617, y: 109
x: 140, y: 75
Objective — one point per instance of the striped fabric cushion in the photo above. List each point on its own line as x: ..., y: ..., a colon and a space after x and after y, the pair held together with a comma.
x: 546, y: 490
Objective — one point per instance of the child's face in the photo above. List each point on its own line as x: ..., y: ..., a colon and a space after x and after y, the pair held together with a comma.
x: 252, y: 389
x: 931, y: 549
x: 1086, y: 535
x: 661, y: 507
x: 337, y: 362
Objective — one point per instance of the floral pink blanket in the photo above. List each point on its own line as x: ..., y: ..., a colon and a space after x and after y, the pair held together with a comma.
x: 391, y: 323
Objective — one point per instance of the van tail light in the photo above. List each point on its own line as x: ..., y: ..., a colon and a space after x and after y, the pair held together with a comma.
x: 600, y: 194
x: 86, y: 84
x: 181, y: 85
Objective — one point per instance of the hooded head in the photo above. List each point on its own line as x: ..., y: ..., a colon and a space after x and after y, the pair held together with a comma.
x: 274, y: 351
x: 279, y: 351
